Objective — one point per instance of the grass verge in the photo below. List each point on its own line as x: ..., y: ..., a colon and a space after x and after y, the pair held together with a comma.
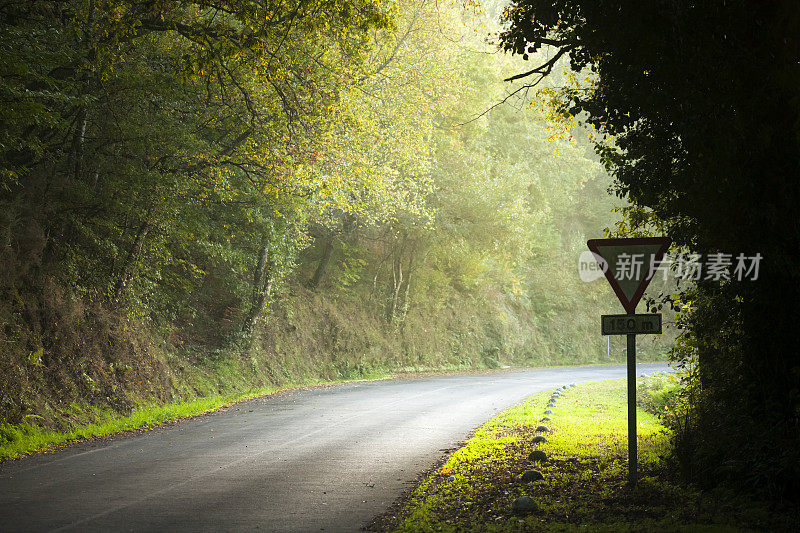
x: 87, y: 422
x: 584, y: 486
x: 17, y: 440
x: 22, y: 439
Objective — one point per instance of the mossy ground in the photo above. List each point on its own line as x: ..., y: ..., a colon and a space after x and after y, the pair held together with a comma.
x: 584, y: 486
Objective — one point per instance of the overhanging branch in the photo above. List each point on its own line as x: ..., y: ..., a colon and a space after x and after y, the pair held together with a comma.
x: 545, y: 68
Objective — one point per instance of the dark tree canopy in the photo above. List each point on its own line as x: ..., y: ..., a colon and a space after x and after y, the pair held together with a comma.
x: 703, y: 101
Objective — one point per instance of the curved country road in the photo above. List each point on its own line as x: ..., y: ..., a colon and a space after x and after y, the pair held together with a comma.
x: 321, y: 459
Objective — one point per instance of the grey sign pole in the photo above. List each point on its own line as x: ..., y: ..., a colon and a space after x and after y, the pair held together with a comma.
x: 631, y: 325
x: 632, y: 410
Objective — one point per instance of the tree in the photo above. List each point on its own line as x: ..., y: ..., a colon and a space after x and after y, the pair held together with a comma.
x: 701, y: 101
x: 376, y: 161
x: 152, y: 153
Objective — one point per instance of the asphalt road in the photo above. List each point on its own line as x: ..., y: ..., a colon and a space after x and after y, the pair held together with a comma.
x: 323, y: 459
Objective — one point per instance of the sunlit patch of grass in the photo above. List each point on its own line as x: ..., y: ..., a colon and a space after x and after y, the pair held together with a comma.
x: 18, y: 440
x: 584, y: 485
x: 593, y: 422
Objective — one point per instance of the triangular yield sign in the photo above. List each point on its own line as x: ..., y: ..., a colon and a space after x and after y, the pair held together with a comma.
x: 629, y: 264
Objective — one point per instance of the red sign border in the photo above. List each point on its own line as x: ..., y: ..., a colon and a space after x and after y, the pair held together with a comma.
x: 630, y: 306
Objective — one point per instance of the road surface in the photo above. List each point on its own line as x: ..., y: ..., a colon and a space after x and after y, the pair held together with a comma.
x: 322, y: 459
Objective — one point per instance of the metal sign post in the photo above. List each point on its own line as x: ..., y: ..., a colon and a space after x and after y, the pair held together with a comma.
x: 631, y: 325
x: 632, y: 452
x: 629, y: 265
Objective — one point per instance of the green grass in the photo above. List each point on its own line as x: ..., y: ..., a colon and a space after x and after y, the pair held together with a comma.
x: 584, y: 486
x: 89, y: 422
x: 204, y: 388
x: 18, y: 440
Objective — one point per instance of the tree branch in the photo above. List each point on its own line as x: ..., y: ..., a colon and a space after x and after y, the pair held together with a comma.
x: 545, y: 68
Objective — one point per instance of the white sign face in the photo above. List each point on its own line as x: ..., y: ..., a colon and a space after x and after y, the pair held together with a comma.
x: 629, y: 265
x: 630, y: 324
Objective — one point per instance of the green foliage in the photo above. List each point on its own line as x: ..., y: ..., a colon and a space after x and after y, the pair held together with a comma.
x: 175, y: 134
x: 697, y: 128
x: 661, y: 395
x: 201, y: 199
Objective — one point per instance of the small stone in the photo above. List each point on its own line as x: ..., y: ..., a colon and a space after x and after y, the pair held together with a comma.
x: 543, y: 428
x: 451, y: 478
x: 538, y: 439
x: 548, y: 412
x: 530, y: 476
x: 572, y: 385
x: 537, y: 455
x: 523, y: 505
x: 545, y: 419
x: 551, y: 405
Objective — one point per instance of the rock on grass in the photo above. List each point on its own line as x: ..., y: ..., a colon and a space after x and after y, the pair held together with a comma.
x: 530, y: 476
x: 523, y: 505
x: 537, y: 455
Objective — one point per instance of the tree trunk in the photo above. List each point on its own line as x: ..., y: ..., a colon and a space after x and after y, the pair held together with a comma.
x: 78, y: 139
x: 408, y: 285
x: 79, y: 136
x: 257, y: 305
x: 319, y: 273
x: 136, y: 248
x: 262, y: 287
x: 397, y: 279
